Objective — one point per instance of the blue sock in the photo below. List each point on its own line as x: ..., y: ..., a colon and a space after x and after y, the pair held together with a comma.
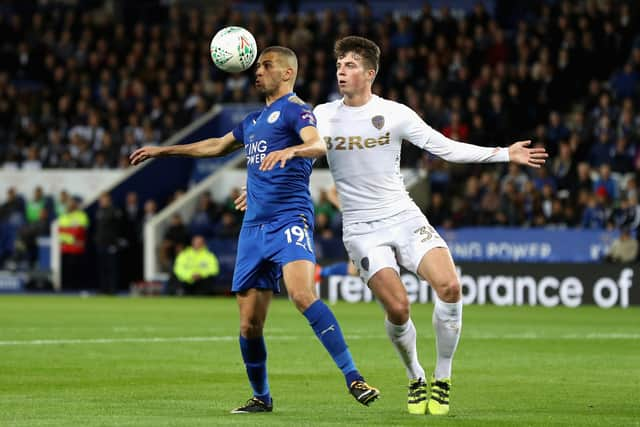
x: 328, y: 331
x: 254, y: 354
x: 337, y: 269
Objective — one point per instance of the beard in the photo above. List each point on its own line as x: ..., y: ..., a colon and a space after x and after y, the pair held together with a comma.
x: 265, y: 90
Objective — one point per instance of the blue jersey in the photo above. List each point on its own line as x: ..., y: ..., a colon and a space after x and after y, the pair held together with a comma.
x: 281, y: 193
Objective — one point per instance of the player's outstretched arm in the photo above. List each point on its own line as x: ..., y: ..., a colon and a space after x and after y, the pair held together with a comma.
x: 312, y: 147
x: 462, y: 152
x: 532, y: 157
x: 210, y: 147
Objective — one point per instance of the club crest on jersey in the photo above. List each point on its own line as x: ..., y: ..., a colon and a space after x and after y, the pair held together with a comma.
x: 378, y: 122
x: 273, y: 117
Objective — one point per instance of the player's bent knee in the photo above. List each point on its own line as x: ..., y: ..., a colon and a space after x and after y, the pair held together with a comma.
x: 251, y: 328
x: 398, y: 312
x: 302, y: 299
x: 449, y: 291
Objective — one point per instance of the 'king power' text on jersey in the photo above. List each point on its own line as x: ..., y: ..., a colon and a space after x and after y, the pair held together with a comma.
x: 272, y: 195
x: 363, y: 151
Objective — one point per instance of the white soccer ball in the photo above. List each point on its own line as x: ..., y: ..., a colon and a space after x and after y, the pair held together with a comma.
x: 233, y: 49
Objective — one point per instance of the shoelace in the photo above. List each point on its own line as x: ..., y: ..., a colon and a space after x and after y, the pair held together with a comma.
x: 417, y: 393
x: 441, y: 384
x: 416, y: 385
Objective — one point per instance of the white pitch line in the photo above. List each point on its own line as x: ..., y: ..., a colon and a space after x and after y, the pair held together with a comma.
x: 524, y: 336
x: 116, y: 340
x: 534, y: 336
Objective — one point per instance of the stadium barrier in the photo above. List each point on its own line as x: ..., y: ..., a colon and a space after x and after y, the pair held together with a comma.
x: 85, y: 183
x: 481, y: 244
x: 528, y: 244
x: 515, y: 284
x: 12, y: 282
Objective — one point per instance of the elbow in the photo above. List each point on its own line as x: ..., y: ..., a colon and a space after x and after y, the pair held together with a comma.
x: 322, y: 150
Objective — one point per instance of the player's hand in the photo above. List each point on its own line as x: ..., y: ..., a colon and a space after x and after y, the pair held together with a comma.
x: 240, y: 202
x: 532, y: 157
x: 275, y: 157
x: 144, y: 153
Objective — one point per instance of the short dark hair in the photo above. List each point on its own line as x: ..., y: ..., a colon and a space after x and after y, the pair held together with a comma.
x: 284, y: 52
x: 368, y: 50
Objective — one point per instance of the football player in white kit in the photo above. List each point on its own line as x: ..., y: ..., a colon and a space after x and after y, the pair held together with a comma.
x: 382, y: 226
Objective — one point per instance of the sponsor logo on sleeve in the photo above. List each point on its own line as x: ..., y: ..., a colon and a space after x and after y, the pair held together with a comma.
x: 308, y: 117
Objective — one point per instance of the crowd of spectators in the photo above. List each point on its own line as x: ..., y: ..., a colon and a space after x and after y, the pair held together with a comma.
x: 83, y: 88
x: 80, y: 89
x: 23, y: 220
x: 118, y: 228
x: 211, y: 220
x: 569, y: 81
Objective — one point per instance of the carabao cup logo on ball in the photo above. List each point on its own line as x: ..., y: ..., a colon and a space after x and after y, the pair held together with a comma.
x: 233, y: 49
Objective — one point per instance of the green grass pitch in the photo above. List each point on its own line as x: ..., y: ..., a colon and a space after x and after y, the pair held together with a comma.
x: 71, y: 361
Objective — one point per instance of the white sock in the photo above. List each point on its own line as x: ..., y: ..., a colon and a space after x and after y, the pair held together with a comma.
x: 447, y: 322
x: 403, y: 338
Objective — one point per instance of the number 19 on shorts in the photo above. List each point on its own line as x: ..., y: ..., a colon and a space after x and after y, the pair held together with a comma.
x: 299, y: 236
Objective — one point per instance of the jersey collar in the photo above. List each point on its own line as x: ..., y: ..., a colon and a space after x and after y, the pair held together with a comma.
x: 286, y: 95
x: 360, y: 107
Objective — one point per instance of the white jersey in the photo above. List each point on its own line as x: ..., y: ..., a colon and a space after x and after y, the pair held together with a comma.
x: 363, y: 151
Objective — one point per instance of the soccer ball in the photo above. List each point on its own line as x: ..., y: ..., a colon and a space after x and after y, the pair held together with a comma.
x: 233, y: 49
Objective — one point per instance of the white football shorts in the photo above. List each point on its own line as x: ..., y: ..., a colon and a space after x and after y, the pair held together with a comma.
x: 399, y: 240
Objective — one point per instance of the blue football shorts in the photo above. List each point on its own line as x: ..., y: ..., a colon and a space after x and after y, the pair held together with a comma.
x: 264, y: 249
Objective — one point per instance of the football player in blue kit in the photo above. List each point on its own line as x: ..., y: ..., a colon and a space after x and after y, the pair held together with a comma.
x: 276, y: 239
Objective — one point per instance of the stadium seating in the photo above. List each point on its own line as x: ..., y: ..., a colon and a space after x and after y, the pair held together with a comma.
x: 81, y: 88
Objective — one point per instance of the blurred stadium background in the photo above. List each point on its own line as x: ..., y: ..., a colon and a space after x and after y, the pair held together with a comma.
x: 84, y: 83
